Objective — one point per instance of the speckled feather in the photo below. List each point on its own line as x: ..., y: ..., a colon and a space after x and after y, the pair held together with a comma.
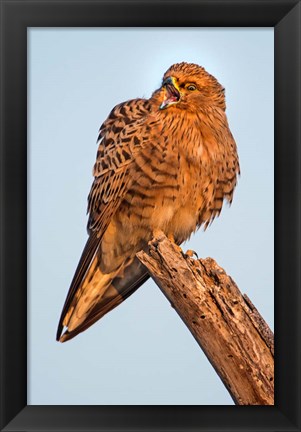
x: 156, y: 169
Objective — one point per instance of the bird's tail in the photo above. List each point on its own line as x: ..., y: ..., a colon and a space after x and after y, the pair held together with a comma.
x: 92, y: 293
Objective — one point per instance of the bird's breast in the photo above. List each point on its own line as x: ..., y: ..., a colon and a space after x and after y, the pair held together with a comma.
x: 174, y: 178
x: 165, y: 194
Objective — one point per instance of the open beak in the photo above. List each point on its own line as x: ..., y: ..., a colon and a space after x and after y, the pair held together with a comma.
x: 172, y: 92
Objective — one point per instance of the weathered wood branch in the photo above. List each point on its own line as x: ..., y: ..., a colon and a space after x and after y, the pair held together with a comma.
x: 227, y: 326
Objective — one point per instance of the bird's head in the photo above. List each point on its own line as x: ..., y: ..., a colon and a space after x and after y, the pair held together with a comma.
x: 188, y: 86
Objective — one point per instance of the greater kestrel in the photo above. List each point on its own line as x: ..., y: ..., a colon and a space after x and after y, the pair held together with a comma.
x: 164, y: 163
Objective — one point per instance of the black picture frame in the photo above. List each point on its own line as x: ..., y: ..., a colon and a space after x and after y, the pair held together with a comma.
x: 16, y: 16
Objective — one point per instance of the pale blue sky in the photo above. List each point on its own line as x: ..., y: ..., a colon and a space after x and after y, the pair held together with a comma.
x: 141, y: 353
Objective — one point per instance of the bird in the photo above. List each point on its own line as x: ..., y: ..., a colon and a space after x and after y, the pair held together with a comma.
x: 167, y: 163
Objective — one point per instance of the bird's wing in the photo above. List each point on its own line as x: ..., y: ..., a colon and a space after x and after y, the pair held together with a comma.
x: 118, y: 144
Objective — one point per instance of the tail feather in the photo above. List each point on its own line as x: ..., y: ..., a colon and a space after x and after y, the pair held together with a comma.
x: 87, y: 257
x: 98, y: 294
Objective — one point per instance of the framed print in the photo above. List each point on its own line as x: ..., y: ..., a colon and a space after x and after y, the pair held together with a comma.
x: 65, y: 64
x: 65, y: 103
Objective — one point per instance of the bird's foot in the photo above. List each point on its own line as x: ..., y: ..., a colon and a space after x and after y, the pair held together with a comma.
x: 178, y: 248
x: 190, y: 253
x: 157, y: 233
x: 172, y: 239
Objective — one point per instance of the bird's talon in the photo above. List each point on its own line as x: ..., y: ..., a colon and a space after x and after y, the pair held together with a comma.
x: 178, y: 248
x: 189, y: 253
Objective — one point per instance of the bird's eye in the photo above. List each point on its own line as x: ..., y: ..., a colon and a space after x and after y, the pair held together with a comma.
x: 191, y: 87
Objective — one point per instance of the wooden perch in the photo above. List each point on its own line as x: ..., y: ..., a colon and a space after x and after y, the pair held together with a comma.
x: 227, y: 326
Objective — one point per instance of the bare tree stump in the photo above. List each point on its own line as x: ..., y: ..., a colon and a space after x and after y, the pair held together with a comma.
x: 227, y: 326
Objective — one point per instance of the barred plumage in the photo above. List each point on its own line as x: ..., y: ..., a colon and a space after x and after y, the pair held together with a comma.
x: 165, y: 163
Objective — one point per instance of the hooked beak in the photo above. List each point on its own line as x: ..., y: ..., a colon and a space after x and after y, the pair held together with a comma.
x: 172, y: 92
